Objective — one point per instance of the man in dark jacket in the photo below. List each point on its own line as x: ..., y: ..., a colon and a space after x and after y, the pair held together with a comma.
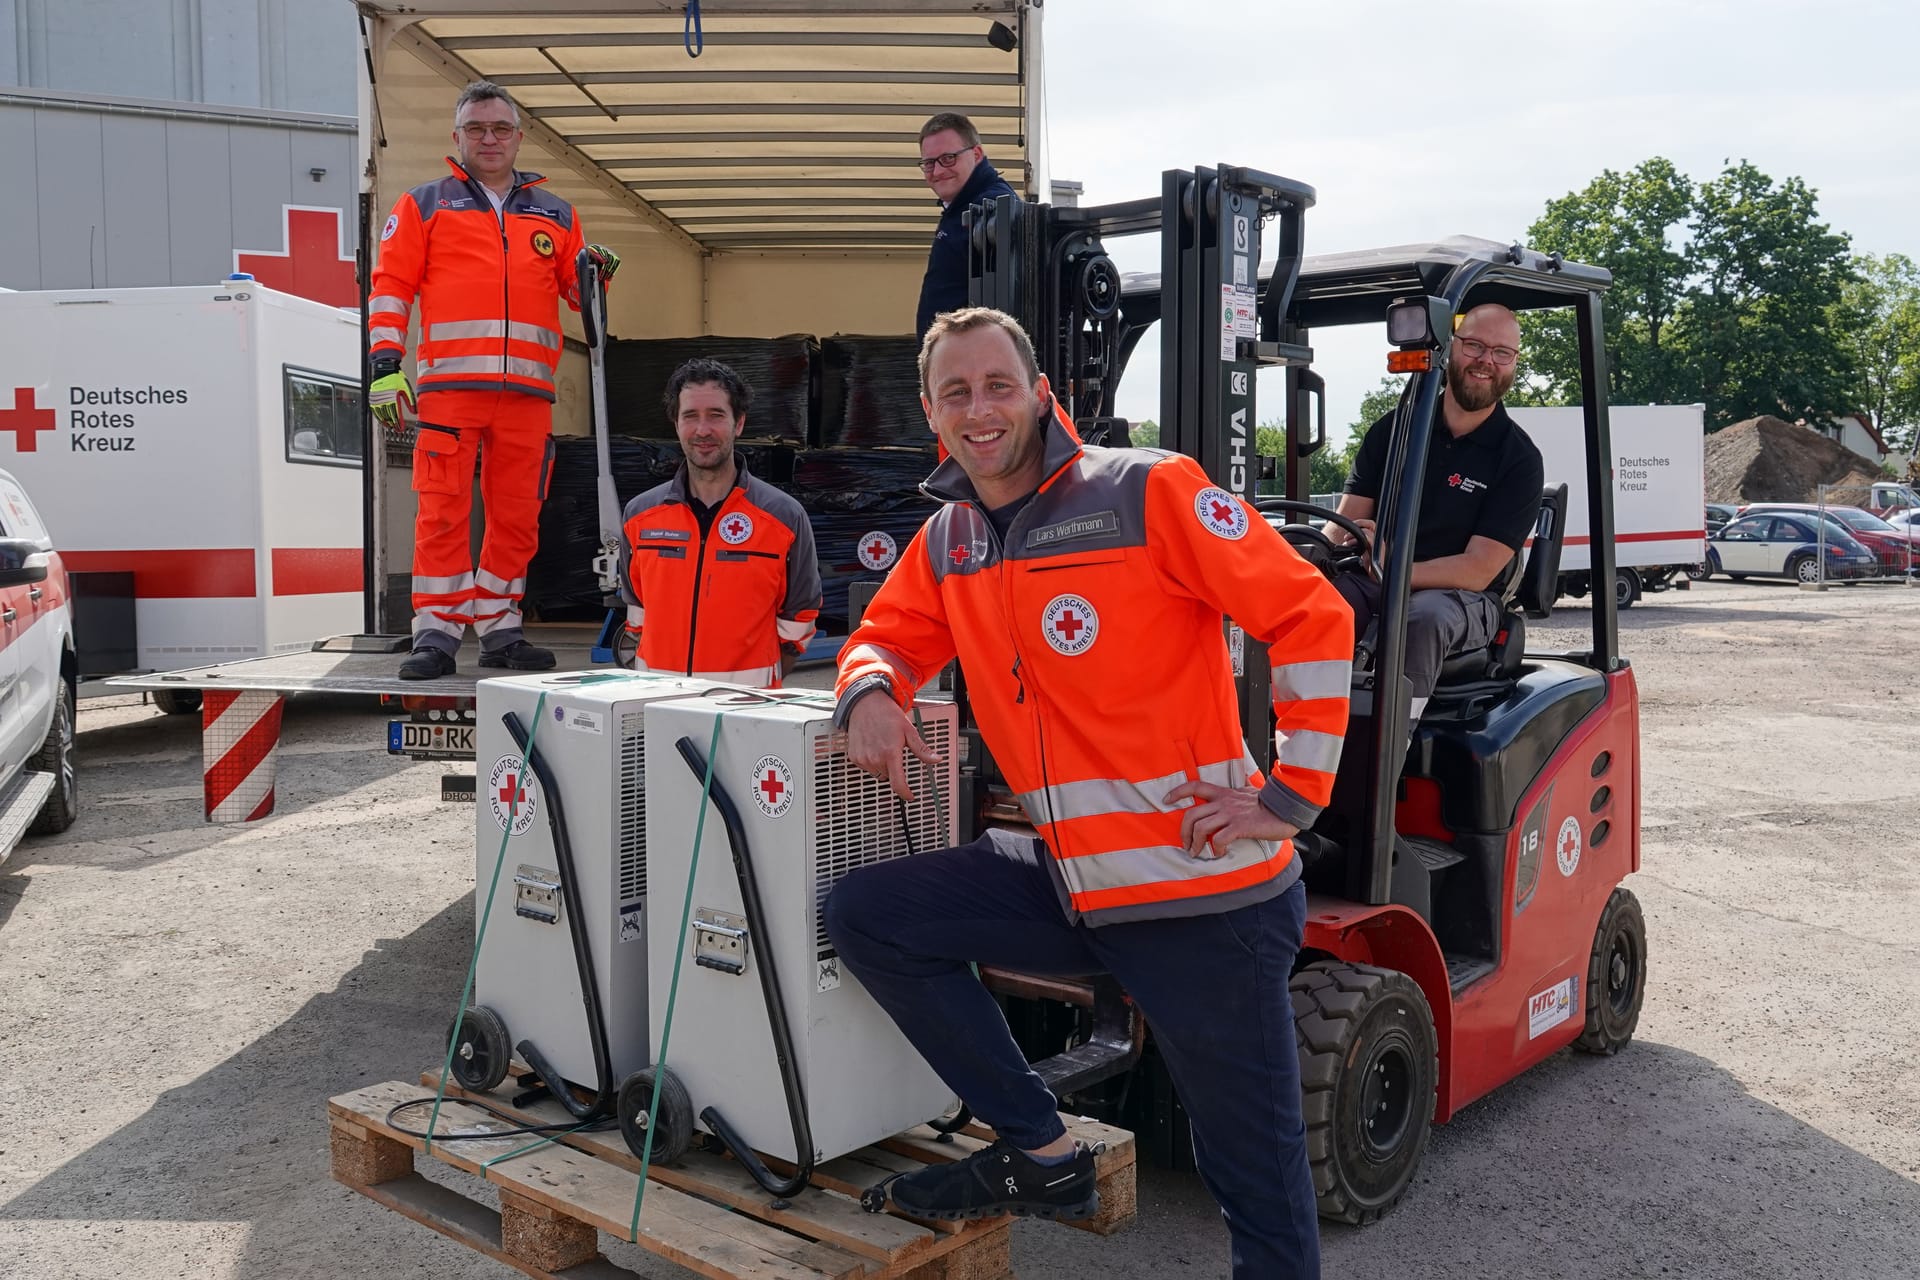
x: 957, y: 169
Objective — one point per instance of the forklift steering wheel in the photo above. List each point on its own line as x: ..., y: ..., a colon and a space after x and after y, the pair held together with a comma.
x: 1284, y: 506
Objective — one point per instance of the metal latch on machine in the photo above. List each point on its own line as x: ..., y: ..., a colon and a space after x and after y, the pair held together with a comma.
x: 536, y: 894
x: 720, y: 940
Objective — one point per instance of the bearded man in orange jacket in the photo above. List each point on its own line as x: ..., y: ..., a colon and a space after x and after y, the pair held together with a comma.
x: 1085, y: 591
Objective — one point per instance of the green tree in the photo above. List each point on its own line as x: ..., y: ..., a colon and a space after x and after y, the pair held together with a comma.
x: 1726, y: 292
x: 1629, y: 223
x: 1768, y: 277
x: 1144, y: 435
x: 1878, y: 317
x: 1331, y: 465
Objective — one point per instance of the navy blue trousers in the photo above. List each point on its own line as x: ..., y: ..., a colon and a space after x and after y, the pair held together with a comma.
x: 1213, y: 989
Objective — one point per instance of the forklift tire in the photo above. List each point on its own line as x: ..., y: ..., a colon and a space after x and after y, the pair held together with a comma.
x: 673, y: 1127
x: 481, y: 1051
x: 1616, y: 976
x: 1369, y: 1068
x: 177, y: 702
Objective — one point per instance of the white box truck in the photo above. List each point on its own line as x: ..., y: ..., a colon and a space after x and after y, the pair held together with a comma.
x: 196, y: 450
x: 1659, y: 504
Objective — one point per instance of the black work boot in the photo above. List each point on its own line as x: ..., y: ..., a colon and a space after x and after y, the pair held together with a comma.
x: 519, y: 656
x: 427, y: 663
x: 1000, y: 1179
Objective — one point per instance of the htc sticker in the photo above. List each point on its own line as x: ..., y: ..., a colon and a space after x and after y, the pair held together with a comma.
x: 1566, y: 849
x: 511, y: 792
x: 878, y: 550
x: 1552, y: 1007
x: 772, y: 786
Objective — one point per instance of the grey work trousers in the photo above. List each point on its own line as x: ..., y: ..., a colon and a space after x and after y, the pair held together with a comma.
x: 1441, y: 621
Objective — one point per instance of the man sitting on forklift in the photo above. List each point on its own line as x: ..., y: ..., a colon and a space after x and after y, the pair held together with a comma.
x: 1480, y: 499
x: 1084, y: 591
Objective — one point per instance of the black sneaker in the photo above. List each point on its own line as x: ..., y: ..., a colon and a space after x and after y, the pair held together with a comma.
x: 1000, y: 1179
x: 427, y: 663
x: 519, y: 656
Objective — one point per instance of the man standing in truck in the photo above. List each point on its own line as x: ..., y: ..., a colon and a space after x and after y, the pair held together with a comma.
x: 956, y: 167
x: 490, y: 256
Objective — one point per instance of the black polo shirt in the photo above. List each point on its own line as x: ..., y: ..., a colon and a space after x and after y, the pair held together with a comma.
x: 1485, y: 483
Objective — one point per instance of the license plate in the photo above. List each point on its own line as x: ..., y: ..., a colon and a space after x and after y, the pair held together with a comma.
x: 430, y: 741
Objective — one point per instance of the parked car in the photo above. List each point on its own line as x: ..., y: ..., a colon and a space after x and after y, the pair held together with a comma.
x: 38, y: 670
x: 1887, y: 542
x: 1785, y: 546
x: 1718, y: 513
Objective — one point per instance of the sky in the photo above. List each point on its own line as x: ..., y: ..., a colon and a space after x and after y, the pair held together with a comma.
x: 1414, y: 122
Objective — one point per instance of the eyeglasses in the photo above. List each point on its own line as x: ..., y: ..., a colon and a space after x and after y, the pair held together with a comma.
x: 1477, y: 350
x: 946, y: 160
x: 498, y: 132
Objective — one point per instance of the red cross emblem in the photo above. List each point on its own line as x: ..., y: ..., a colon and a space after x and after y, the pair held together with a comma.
x: 876, y: 549
x: 1454, y: 479
x: 771, y: 787
x: 960, y: 552
x: 1569, y: 837
x: 1222, y: 512
x: 509, y: 788
x: 309, y: 263
x: 26, y: 420
x: 1069, y: 626
x: 733, y: 527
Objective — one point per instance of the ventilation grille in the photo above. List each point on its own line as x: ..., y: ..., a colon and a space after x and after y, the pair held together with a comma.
x: 857, y: 820
x: 631, y: 807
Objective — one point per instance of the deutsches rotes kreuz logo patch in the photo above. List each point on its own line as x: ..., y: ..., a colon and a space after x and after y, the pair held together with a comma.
x: 1223, y: 514
x: 393, y: 225
x: 735, y: 529
x: 878, y: 549
x: 1070, y: 625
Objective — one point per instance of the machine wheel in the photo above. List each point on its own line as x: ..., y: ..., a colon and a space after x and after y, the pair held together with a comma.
x: 1626, y: 588
x: 55, y: 756
x: 673, y: 1130
x: 1616, y: 976
x: 1700, y: 572
x: 177, y: 702
x: 481, y: 1050
x: 1369, y: 1065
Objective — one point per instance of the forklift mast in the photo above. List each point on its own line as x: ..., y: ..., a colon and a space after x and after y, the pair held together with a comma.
x: 1220, y: 321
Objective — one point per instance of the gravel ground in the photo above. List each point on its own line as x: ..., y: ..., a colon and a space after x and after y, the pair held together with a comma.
x: 181, y: 1000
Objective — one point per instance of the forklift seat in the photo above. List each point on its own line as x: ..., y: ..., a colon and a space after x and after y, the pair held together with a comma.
x: 1527, y: 594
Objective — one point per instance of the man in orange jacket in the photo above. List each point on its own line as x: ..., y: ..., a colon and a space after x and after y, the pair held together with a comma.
x: 490, y: 257
x: 1085, y: 591
x: 721, y: 579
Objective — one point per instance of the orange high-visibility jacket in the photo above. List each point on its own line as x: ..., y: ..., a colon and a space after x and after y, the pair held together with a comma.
x: 489, y: 287
x: 721, y: 604
x: 1097, y: 668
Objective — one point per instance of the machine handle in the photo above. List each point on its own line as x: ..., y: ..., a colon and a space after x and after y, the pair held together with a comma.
x: 33, y: 593
x: 1312, y: 384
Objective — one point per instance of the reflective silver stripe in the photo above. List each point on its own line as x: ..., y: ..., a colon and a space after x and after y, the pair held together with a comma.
x: 457, y: 330
x: 457, y: 585
x: 507, y: 617
x: 387, y: 302
x: 495, y: 585
x: 386, y: 333
x: 427, y: 621
x: 887, y: 656
x: 539, y: 334
x: 636, y: 616
x: 1093, y: 797
x: 1311, y: 750
x: 793, y: 630
x: 753, y: 678
x: 1296, y: 681
x: 1127, y: 868
x: 451, y: 365
x: 529, y: 369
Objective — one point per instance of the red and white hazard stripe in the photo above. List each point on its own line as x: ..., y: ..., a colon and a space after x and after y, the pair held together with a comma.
x: 238, y: 732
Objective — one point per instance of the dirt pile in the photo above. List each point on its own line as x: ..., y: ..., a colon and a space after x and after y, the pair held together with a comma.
x: 1768, y: 459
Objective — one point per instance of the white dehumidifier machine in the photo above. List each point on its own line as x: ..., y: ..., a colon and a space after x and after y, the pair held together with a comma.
x: 562, y: 971
x: 774, y: 1048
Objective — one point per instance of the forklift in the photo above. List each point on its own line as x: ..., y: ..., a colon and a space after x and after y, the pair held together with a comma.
x: 1465, y: 917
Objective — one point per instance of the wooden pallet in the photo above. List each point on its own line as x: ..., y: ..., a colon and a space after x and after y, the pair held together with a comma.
x: 704, y: 1213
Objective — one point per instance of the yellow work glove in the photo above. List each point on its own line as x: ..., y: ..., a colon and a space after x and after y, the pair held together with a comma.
x: 390, y: 387
x: 606, y: 259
